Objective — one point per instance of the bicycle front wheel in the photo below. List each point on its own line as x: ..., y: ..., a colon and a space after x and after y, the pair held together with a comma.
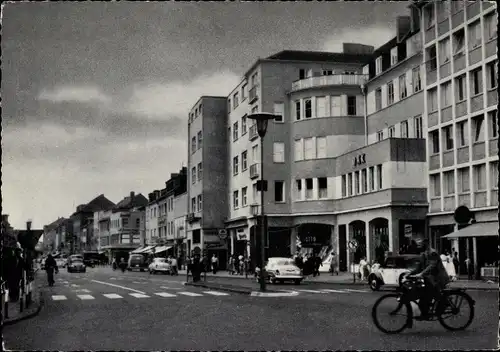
x: 456, y: 311
x: 390, y: 315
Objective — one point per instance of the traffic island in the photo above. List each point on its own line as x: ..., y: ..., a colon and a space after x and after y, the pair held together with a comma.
x: 33, y: 308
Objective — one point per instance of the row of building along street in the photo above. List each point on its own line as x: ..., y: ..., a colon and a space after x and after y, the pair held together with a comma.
x: 378, y: 145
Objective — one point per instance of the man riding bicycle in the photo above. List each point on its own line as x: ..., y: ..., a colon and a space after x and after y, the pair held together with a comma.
x: 435, y: 278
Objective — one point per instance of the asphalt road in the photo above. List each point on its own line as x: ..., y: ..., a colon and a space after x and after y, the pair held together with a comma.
x: 106, y: 310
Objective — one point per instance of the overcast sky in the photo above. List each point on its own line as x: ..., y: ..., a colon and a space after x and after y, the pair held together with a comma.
x: 95, y: 95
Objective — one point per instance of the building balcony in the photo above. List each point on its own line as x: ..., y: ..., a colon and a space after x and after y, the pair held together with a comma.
x: 330, y: 80
x: 253, y: 95
x: 254, y: 170
x: 253, y: 133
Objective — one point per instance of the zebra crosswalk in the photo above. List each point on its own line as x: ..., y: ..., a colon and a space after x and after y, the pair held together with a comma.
x: 327, y: 290
x: 114, y: 296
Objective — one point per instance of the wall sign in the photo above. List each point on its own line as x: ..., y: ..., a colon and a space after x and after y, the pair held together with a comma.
x: 360, y: 160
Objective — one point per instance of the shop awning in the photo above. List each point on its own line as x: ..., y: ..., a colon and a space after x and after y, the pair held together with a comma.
x: 161, y: 249
x: 138, y: 250
x: 146, y: 250
x: 479, y: 229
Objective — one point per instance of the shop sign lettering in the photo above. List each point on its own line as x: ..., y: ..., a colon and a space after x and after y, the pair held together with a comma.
x: 309, y: 239
x: 360, y: 160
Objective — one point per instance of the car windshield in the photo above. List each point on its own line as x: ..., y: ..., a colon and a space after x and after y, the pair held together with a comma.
x: 160, y: 260
x: 284, y: 262
x: 136, y: 257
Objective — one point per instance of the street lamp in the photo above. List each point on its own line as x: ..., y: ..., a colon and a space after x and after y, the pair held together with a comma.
x: 261, y: 120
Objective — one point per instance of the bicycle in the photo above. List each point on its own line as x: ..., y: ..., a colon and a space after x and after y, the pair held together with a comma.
x: 440, y: 309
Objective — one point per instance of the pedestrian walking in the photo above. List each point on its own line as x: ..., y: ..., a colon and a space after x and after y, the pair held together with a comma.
x: 333, y: 265
x: 215, y: 262
x: 470, y: 268
x: 456, y: 263
x: 363, y: 268
x: 173, y: 266
x: 50, y: 268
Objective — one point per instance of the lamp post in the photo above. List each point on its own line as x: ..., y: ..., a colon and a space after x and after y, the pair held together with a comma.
x: 261, y: 120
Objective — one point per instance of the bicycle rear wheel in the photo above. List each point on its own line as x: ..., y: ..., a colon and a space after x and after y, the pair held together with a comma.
x: 391, y: 306
x: 451, y: 305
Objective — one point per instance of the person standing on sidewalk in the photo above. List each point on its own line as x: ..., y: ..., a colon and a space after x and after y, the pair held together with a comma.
x: 470, y: 268
x: 215, y: 261
x: 173, y: 266
x: 333, y: 265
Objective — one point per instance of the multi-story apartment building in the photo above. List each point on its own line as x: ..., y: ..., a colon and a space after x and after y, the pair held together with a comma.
x: 348, y: 154
x: 287, y: 85
x: 207, y: 183
x: 460, y: 85
x: 165, y: 216
x: 156, y: 214
x: 81, y: 220
x: 121, y: 226
x: 54, y: 235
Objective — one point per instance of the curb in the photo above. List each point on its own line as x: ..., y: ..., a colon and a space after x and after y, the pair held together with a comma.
x: 492, y: 288
x: 221, y: 288
x: 27, y: 316
x: 274, y: 294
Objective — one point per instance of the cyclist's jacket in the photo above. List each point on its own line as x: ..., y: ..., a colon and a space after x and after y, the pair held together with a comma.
x: 433, y: 270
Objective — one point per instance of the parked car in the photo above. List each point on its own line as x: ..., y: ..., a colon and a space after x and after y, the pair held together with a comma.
x: 76, y: 266
x: 160, y: 265
x: 393, y: 270
x: 279, y: 269
x: 137, y: 262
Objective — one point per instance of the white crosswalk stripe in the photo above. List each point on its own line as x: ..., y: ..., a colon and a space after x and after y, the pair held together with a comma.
x: 333, y: 291
x: 165, y: 294
x: 112, y: 295
x: 216, y: 293
x: 170, y: 288
x: 85, y: 297
x: 310, y: 291
x: 59, y: 298
x: 192, y: 294
x: 138, y: 295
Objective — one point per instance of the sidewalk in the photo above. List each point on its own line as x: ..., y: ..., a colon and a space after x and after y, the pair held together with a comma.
x: 347, y: 279
x: 14, y: 308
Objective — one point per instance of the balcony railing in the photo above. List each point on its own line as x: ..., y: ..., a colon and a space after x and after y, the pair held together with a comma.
x: 253, y: 133
x: 254, y: 170
x: 252, y: 94
x: 330, y: 80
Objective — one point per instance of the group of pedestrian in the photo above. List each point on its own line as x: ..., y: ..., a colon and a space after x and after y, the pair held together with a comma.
x: 450, y: 264
x: 309, y: 263
x: 238, y: 265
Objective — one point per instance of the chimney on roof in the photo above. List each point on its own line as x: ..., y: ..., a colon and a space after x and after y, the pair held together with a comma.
x: 132, y: 194
x: 403, y: 27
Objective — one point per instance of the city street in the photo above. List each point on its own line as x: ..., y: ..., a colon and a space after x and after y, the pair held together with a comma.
x: 104, y: 309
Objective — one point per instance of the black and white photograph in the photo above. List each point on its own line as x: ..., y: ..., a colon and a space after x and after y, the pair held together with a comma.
x: 249, y: 175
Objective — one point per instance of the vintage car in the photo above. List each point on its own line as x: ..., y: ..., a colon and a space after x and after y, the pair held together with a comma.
x: 159, y: 265
x: 282, y: 269
x: 76, y: 265
x: 393, y: 270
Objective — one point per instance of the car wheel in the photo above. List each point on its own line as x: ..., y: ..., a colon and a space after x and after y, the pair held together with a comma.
x: 374, y: 283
